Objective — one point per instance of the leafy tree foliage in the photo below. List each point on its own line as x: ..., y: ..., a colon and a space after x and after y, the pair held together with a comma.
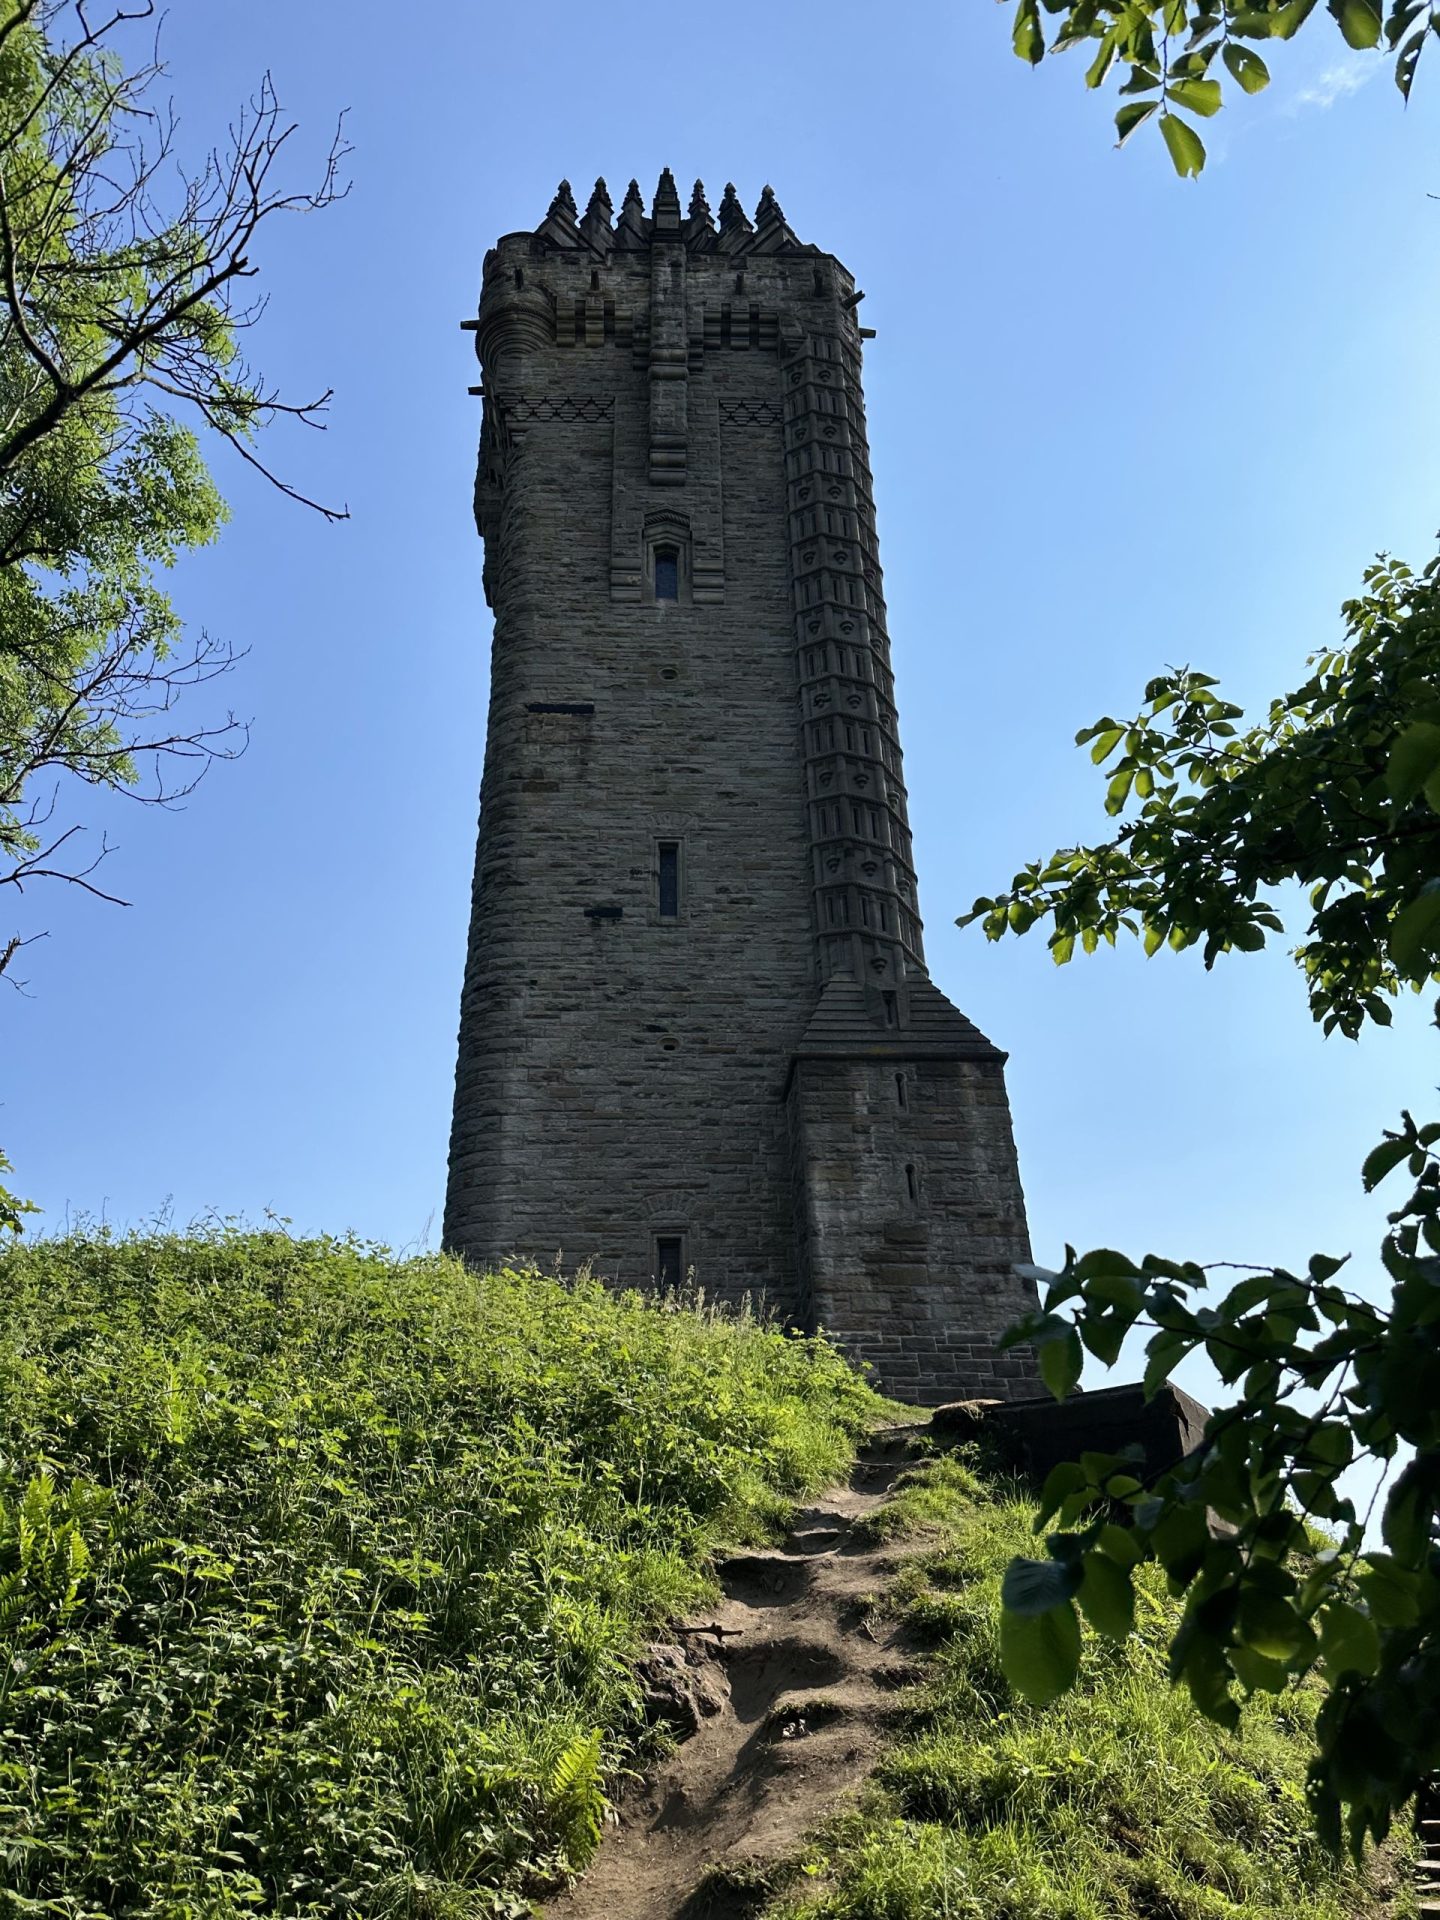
x: 123, y: 302
x: 1339, y: 790
x: 1175, y: 55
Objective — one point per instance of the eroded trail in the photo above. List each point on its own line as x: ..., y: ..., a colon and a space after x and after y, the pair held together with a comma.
x: 790, y: 1698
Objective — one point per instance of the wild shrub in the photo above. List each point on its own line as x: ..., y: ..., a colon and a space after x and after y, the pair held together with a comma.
x: 323, y: 1573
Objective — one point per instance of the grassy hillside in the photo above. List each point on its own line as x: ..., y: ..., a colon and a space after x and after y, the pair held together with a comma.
x: 1116, y: 1802
x: 323, y: 1571
x: 323, y: 1575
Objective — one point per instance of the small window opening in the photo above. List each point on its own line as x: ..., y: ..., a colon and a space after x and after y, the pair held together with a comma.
x: 912, y: 1185
x: 892, y: 1012
x: 667, y: 573
x: 669, y: 879
x: 669, y: 1259
x: 902, y: 1098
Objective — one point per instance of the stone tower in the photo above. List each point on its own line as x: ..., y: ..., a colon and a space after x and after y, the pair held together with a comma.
x: 697, y: 1033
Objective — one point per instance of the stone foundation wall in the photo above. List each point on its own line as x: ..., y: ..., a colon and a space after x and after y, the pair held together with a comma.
x: 914, y: 1219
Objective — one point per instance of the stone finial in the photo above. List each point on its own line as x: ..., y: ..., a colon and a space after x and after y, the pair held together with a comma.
x: 732, y: 214
x: 666, y: 210
x: 563, y: 205
x: 632, y: 226
x: 596, y: 224
x: 699, y: 227
x: 768, y: 209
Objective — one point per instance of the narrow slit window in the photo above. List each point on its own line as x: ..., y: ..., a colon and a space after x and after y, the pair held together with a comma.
x: 902, y: 1098
x: 669, y: 1259
x: 669, y: 879
x: 892, y: 1012
x: 912, y: 1185
x: 667, y: 573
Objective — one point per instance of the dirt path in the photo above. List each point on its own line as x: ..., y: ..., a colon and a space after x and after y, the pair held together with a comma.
x: 794, y: 1698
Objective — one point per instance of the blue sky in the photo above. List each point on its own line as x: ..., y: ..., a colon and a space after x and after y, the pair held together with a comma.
x: 1116, y: 421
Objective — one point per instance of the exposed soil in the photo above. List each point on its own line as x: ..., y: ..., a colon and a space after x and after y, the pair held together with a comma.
x: 791, y: 1698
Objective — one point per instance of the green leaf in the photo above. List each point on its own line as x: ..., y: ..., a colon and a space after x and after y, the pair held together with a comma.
x: 1100, y: 65
x: 1207, y: 1674
x: 1165, y: 1352
x: 1120, y: 1545
x: 1061, y: 1481
x: 1256, y: 1673
x: 1405, y: 64
x: 1132, y: 115
x: 1040, y: 1652
x: 1415, y: 932
x: 1106, y: 1596
x: 1410, y: 1508
x: 1061, y: 1361
x: 1272, y: 1625
x: 1413, y: 758
x: 1390, y: 1591
x: 1187, y: 152
x: 1104, y: 1335
x: 1287, y: 22
x: 1380, y: 1160
x: 1359, y: 22
x: 1348, y: 1640
x: 1246, y: 66
x: 1197, y: 96
x: 1035, y: 1586
x: 1028, y: 37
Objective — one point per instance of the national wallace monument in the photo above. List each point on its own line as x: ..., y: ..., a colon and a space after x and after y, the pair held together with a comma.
x: 696, y: 1031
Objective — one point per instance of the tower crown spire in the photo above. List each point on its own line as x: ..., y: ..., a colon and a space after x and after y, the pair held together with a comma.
x: 596, y: 224
x: 769, y: 208
x: 667, y: 204
x: 632, y: 228
x: 563, y: 203
x: 732, y: 214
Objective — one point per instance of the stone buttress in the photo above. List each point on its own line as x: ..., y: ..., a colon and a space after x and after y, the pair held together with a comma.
x: 697, y: 1036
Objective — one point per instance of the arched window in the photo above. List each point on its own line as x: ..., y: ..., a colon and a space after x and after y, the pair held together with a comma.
x: 667, y: 573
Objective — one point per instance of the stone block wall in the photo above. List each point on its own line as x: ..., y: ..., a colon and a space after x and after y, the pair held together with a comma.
x: 914, y: 1219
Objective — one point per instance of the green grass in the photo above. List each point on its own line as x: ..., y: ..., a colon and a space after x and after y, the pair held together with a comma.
x: 1116, y: 1802
x: 323, y: 1573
